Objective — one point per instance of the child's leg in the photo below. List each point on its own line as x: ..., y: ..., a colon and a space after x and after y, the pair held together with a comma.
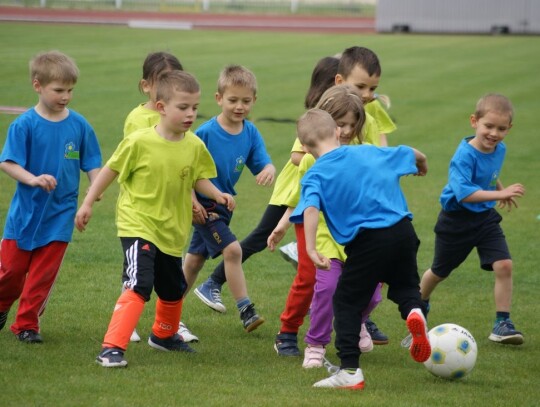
x: 232, y: 259
x: 193, y: 264
x: 428, y: 284
x: 503, y: 285
x: 255, y: 242
x: 376, y: 299
x: 301, y: 291
x: 42, y: 272
x: 322, y: 314
x: 127, y: 311
x: 14, y: 264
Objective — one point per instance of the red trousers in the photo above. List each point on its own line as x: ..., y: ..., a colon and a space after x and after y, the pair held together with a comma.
x: 301, y: 292
x: 28, y: 276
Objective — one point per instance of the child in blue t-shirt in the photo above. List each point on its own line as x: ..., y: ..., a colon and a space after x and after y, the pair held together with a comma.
x: 468, y: 218
x: 376, y: 230
x: 234, y: 143
x: 46, y: 149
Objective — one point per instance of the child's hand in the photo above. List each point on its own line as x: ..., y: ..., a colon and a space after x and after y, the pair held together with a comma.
x: 44, y: 181
x: 227, y: 200
x: 509, y: 194
x: 266, y: 176
x: 422, y: 168
x: 199, y: 213
x: 319, y: 260
x: 275, y: 237
x: 83, y: 217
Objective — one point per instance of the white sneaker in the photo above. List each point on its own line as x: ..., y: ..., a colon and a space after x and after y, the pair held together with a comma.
x: 366, y: 343
x: 135, y: 336
x: 186, y: 334
x: 420, y: 347
x: 290, y: 253
x: 313, y: 357
x: 344, y: 380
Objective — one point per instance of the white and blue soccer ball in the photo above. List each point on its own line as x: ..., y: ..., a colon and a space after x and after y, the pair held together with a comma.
x: 453, y: 352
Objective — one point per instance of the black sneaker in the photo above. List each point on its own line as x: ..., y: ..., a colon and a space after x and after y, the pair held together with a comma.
x: 249, y: 318
x: 172, y: 343
x: 286, y: 344
x: 3, y: 318
x: 111, y: 357
x: 377, y: 336
x: 29, y: 336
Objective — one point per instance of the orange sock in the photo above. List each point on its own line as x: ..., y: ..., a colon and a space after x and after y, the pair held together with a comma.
x: 167, y: 318
x: 127, y: 311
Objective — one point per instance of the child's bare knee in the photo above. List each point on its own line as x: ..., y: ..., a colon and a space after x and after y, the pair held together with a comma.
x: 503, y: 268
x: 232, y: 252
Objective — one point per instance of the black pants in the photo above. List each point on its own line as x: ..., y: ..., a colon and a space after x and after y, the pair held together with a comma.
x: 379, y: 255
x: 256, y: 241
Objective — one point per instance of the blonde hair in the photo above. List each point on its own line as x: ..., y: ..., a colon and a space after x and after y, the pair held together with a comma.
x: 340, y: 100
x: 236, y: 75
x: 315, y: 125
x: 494, y: 102
x: 175, y: 81
x: 47, y: 67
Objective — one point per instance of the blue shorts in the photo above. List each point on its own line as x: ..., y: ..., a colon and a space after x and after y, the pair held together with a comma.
x: 458, y: 233
x: 210, y: 239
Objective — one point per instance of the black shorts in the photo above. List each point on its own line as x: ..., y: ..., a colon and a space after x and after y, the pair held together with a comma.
x: 458, y: 233
x: 147, y: 268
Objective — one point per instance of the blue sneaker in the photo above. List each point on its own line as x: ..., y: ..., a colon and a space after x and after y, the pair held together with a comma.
x: 377, y: 336
x: 172, y: 343
x: 111, y: 357
x: 286, y: 344
x: 210, y: 293
x: 504, y: 332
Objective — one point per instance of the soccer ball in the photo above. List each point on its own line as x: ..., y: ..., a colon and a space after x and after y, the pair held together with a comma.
x: 453, y: 352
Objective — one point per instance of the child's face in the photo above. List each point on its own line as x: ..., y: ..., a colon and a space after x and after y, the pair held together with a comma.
x: 55, y: 96
x: 346, y: 125
x: 179, y: 113
x: 360, y: 79
x: 490, y: 130
x: 236, y: 103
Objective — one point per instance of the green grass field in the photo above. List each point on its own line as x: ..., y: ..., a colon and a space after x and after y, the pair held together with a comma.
x: 433, y: 81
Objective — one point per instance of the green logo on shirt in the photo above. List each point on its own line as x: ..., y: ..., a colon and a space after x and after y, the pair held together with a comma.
x: 70, y: 153
x: 240, y: 164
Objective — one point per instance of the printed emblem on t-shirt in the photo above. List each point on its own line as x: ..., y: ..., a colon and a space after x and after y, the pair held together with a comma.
x: 240, y: 164
x: 70, y: 153
x: 494, y: 178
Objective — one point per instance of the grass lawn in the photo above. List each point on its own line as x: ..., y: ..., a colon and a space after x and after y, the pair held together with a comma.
x: 434, y: 83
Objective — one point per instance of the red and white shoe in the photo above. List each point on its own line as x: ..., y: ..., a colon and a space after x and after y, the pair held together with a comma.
x: 420, y: 347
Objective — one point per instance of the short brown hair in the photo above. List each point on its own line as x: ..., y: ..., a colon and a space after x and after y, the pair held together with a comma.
x: 315, y: 125
x: 175, y: 81
x: 47, y: 67
x: 494, y: 102
x: 236, y: 75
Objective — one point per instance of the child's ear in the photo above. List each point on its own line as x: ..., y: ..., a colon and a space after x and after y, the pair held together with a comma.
x: 160, y: 106
x: 145, y: 86
x: 473, y: 121
x: 36, y: 85
x: 219, y: 97
x: 339, y: 79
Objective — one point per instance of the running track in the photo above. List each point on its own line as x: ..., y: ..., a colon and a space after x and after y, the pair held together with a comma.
x: 195, y: 21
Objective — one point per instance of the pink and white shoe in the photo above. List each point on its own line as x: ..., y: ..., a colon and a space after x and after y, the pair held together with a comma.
x: 313, y: 356
x: 366, y: 343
